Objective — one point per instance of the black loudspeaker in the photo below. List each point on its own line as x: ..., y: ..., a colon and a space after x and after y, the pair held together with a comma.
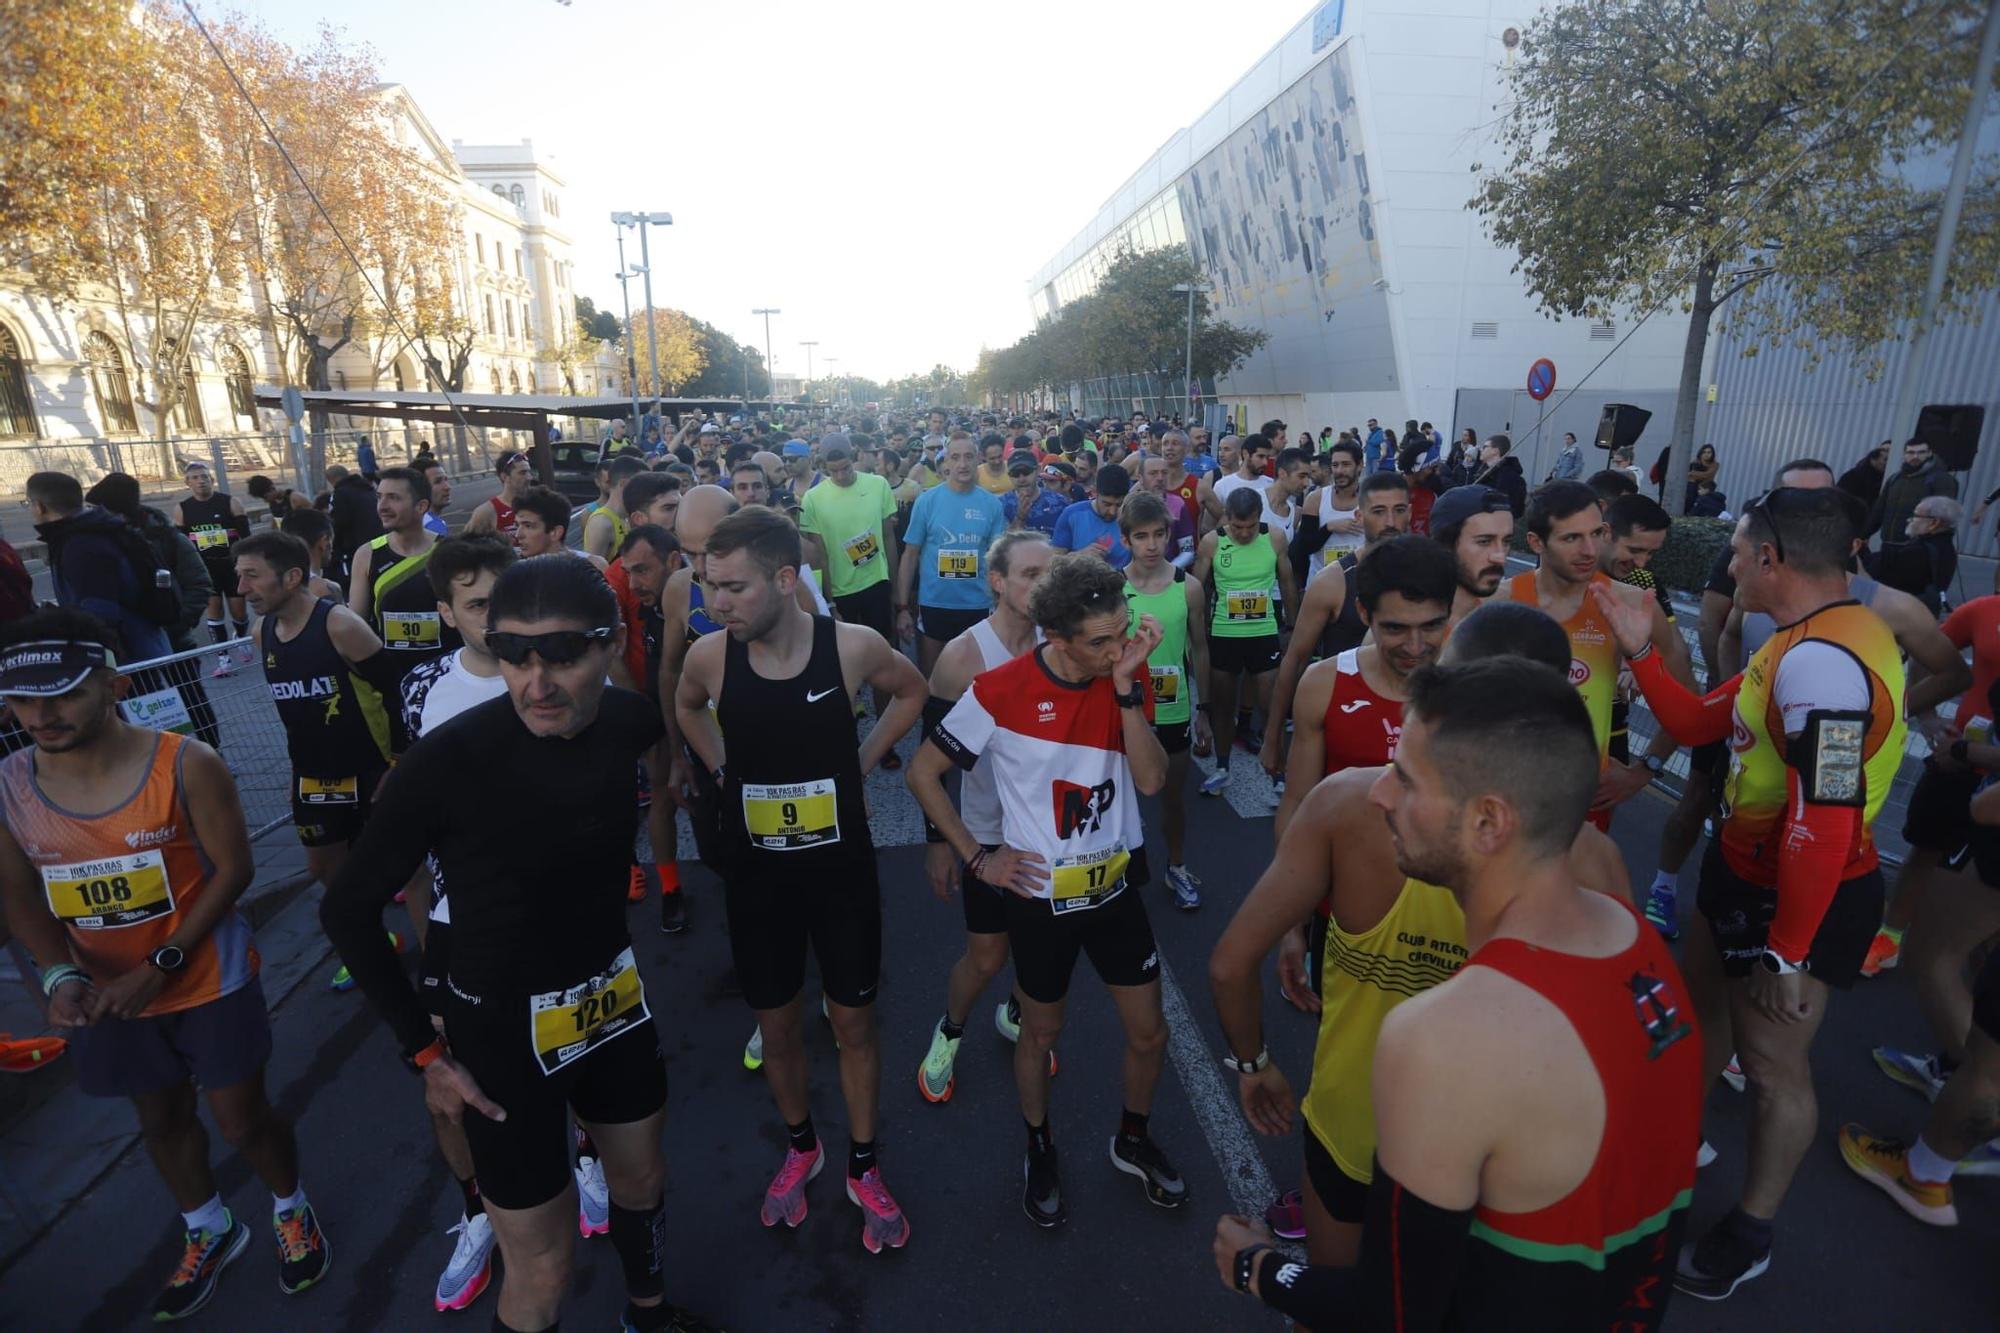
x: 1952, y: 432
x: 1621, y: 425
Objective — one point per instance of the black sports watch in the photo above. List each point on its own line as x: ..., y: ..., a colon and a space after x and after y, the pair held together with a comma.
x: 169, y: 958
x: 1959, y: 749
x: 1136, y: 699
x: 1654, y: 764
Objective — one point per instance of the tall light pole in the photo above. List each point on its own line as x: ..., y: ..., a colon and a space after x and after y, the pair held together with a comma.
x: 631, y: 362
x: 831, y: 362
x: 642, y: 221
x: 1187, y: 368
x: 809, y: 362
x: 766, y: 312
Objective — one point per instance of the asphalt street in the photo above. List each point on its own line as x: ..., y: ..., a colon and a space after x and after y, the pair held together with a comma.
x: 1844, y: 1258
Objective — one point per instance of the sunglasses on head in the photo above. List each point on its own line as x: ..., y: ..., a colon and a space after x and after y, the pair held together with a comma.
x: 558, y: 647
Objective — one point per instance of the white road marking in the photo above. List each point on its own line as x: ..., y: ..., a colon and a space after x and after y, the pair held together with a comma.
x: 1216, y: 1109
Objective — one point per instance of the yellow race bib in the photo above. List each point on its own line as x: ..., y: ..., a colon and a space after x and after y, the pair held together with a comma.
x: 1166, y: 684
x: 109, y: 894
x: 566, y: 1024
x: 862, y: 547
x: 210, y: 539
x: 958, y: 564
x: 329, y: 791
x: 412, y: 630
x: 1246, y: 605
x: 1084, y: 881
x: 791, y: 816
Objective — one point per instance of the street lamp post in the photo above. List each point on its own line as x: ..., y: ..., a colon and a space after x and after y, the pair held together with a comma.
x: 809, y: 362
x: 631, y: 361
x: 1187, y: 368
x: 766, y: 312
x: 642, y: 221
x: 831, y: 362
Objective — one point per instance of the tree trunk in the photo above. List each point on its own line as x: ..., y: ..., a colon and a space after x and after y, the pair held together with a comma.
x: 1692, y: 354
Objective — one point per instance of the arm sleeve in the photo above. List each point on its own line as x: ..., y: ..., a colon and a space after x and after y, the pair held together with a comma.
x: 392, y: 846
x: 1817, y: 839
x: 963, y: 733
x: 1411, y: 1254
x: 1689, y: 718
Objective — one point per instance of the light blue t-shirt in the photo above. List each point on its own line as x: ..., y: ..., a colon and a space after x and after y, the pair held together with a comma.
x: 1082, y: 527
x: 954, y: 531
x: 432, y: 523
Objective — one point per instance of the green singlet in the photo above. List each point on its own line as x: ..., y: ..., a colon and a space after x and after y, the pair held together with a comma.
x: 1168, y: 662
x: 1244, y: 576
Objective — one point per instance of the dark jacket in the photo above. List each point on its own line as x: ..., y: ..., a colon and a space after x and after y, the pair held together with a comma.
x: 90, y: 572
x: 1862, y: 482
x: 1923, y: 568
x: 1891, y: 513
x: 352, y: 510
x: 179, y: 555
x: 1506, y: 477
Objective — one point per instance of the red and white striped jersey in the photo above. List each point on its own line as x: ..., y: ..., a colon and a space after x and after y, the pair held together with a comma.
x: 1056, y: 752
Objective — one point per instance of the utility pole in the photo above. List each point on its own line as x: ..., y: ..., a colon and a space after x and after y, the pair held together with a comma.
x: 1187, y: 371
x: 809, y: 362
x: 766, y: 312
x: 631, y: 362
x: 642, y: 221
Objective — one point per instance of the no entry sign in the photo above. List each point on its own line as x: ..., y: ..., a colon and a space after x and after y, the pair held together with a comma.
x: 1541, y: 379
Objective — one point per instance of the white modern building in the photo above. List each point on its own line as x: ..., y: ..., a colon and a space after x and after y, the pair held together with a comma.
x: 1325, y: 195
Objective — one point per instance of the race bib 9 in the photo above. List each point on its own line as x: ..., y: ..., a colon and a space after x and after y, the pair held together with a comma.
x: 329, y: 791
x: 1246, y: 605
x: 862, y: 547
x: 109, y: 894
x: 567, y: 1024
x: 1077, y: 882
x: 1166, y: 684
x: 958, y: 564
x: 793, y: 816
x: 412, y: 630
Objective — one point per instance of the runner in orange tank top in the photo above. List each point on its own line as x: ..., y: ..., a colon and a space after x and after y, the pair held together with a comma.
x: 122, y: 856
x: 1566, y: 530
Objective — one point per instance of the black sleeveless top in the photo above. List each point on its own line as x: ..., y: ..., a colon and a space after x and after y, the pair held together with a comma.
x: 212, y: 528
x: 405, y: 608
x: 1345, y: 630
x: 335, y: 724
x: 793, y: 772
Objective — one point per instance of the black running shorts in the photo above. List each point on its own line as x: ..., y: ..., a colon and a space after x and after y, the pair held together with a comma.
x: 1986, y: 997
x: 330, y: 811
x: 985, y: 906
x: 1175, y: 737
x: 1339, y: 1193
x: 1940, y: 813
x: 1255, y: 655
x: 942, y: 624
x: 524, y: 1160
x: 219, y: 1044
x: 1118, y: 936
x: 837, y: 915
x: 1739, y: 916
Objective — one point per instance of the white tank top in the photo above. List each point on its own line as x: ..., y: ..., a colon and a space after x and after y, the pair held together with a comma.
x: 978, y: 798
x: 1337, y: 543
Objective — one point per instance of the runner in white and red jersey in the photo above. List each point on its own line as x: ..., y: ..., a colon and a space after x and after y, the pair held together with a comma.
x: 1066, y: 732
x: 497, y: 514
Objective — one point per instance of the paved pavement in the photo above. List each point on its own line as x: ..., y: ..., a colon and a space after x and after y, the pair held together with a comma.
x: 1845, y: 1258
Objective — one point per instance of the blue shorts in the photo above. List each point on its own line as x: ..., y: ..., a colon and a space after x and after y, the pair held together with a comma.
x: 218, y: 1045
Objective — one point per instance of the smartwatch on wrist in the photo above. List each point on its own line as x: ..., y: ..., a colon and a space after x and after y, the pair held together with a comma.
x: 1780, y: 966
x: 1258, y: 1065
x: 1135, y: 699
x: 169, y: 958
x: 1246, y: 1265
x: 1654, y: 764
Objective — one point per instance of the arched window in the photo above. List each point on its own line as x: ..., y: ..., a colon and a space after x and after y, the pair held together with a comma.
x: 340, y: 380
x: 508, y: 306
x: 187, y: 407
x: 513, y: 381
x: 236, y: 375
x: 17, y: 405
x: 502, y: 193
x: 109, y: 384
x: 518, y: 195
x: 496, y: 379
x: 396, y: 368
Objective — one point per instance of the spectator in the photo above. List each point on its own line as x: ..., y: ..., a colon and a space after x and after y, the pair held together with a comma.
x: 1612, y: 484
x: 119, y: 494
x: 1621, y: 460
x: 1925, y: 564
x: 89, y: 564
x: 1499, y: 469
x: 1922, y: 475
x: 1704, y: 468
x: 1708, y: 502
x: 1569, y: 462
x: 364, y: 458
x: 1863, y: 481
x: 351, y: 506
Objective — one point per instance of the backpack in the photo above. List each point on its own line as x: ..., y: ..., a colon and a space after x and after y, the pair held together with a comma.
x: 157, y: 596
x: 17, y: 586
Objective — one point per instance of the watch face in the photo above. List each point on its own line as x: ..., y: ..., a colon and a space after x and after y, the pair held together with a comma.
x: 169, y: 958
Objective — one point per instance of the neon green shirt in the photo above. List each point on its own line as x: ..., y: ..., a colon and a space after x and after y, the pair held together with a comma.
x: 848, y: 522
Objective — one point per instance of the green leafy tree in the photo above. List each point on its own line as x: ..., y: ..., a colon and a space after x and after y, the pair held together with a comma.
x: 1760, y: 154
x: 597, y: 325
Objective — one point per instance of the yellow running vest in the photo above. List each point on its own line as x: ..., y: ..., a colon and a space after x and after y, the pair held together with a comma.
x: 1418, y: 943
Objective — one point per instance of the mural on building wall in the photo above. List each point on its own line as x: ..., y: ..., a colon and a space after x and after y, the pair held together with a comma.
x: 1279, y: 214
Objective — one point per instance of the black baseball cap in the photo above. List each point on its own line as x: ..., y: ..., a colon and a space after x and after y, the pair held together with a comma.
x: 1113, y: 481
x: 1462, y: 502
x: 44, y: 668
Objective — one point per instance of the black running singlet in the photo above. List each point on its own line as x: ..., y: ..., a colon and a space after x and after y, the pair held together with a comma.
x: 1347, y: 629
x: 793, y: 771
x: 405, y: 608
x: 335, y: 724
x: 212, y: 528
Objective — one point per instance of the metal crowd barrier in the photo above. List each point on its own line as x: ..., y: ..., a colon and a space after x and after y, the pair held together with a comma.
x: 233, y: 713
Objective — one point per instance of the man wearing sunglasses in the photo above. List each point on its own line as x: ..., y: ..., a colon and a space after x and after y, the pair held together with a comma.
x: 544, y: 1008
x: 1791, y: 886
x: 796, y: 856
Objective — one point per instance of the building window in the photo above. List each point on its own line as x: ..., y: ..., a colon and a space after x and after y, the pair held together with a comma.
x: 518, y: 195
x: 502, y: 193
x: 555, y: 205
x: 479, y: 243
x: 17, y: 405
x: 187, y: 411
x: 513, y: 381
x: 1485, y: 330
x: 508, y: 307
x: 236, y: 377
x: 488, y: 299
x: 1603, y: 331
x: 496, y: 379
x: 109, y: 384
x: 396, y: 368
x: 517, y: 265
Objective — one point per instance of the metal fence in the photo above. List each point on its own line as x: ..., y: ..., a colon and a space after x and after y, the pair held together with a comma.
x: 233, y: 713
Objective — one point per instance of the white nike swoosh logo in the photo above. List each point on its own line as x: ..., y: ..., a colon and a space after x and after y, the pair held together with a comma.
x: 812, y: 698
x: 1358, y: 703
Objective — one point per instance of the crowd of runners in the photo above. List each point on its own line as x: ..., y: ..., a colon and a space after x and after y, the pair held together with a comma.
x: 1051, y: 618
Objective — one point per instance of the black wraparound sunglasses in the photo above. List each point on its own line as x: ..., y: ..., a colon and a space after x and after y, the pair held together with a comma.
x: 558, y: 647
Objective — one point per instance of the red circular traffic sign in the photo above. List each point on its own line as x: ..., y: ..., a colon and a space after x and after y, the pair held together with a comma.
x: 1541, y: 379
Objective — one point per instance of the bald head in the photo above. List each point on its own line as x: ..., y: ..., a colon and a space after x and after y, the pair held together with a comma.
x: 701, y: 509
x: 774, y: 466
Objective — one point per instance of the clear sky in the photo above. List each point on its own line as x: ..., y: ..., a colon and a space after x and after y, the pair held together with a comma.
x: 888, y: 173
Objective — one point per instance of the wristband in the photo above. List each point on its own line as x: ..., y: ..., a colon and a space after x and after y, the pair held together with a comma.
x: 1246, y: 1264
x: 976, y: 864
x: 56, y: 974
x: 1641, y: 655
x: 419, y: 1061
